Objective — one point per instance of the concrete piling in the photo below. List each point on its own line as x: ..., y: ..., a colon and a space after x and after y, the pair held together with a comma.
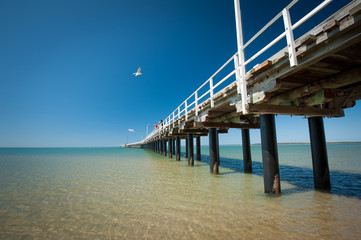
x: 271, y: 175
x: 190, y: 149
x: 246, y: 147
x: 321, y: 174
x: 213, y: 150
x: 198, y: 147
x: 170, y: 146
x: 178, y: 148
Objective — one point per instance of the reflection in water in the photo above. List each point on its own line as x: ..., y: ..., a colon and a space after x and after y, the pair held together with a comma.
x: 132, y: 194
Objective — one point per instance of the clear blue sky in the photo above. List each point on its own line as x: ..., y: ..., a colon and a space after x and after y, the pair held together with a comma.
x: 66, y: 67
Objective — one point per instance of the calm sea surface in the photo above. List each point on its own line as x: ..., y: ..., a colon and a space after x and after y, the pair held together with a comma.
x: 117, y: 193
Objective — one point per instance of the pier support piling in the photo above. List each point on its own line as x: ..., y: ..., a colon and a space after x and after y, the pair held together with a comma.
x: 190, y: 149
x: 271, y: 174
x: 246, y: 147
x: 198, y: 147
x: 213, y: 150
x: 178, y: 148
x: 173, y: 146
x: 321, y: 174
x: 165, y: 147
x: 218, y: 157
x: 170, y: 146
x: 186, y: 146
x: 160, y: 147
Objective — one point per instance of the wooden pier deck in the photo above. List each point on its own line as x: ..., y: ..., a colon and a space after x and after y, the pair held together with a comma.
x: 326, y: 80
x: 320, y: 78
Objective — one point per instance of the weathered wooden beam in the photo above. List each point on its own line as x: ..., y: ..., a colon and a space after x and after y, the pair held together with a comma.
x: 320, y: 97
x: 258, y: 97
x: 215, y: 113
x: 224, y: 117
x: 261, y: 67
x: 343, y: 79
x: 331, y: 25
x: 183, y: 135
x: 292, y: 110
x: 268, y: 85
x: 352, y: 94
x: 188, y: 124
x: 194, y: 130
x: 224, y: 125
x: 225, y: 130
x: 323, y: 69
x: 308, y: 39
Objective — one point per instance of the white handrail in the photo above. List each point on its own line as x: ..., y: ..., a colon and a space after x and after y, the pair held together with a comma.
x: 221, y: 68
x: 310, y: 14
x: 269, y: 24
x: 177, y: 113
x: 224, y: 79
x: 205, y: 94
x: 211, y: 88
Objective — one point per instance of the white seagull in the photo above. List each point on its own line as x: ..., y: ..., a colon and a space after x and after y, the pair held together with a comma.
x: 138, y: 72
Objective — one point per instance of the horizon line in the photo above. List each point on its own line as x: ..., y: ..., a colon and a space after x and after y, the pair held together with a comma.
x: 253, y: 144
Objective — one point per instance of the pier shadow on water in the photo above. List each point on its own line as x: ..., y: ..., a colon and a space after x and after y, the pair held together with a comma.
x: 345, y: 184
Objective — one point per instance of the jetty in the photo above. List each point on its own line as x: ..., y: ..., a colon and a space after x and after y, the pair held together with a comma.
x: 317, y: 75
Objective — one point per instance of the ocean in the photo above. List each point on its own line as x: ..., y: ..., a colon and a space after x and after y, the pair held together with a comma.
x: 121, y: 193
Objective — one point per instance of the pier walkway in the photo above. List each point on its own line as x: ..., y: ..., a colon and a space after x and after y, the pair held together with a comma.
x: 318, y: 75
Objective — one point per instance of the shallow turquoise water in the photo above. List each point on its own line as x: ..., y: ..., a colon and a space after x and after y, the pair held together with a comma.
x: 114, y: 193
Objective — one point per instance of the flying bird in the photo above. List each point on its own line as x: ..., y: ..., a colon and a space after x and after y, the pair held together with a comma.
x: 138, y: 72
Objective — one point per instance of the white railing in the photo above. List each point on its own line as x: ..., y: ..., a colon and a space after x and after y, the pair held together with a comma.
x: 239, y: 66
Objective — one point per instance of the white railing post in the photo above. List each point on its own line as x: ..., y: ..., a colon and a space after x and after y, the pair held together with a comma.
x: 289, y: 36
x: 211, y: 91
x: 173, y: 119
x: 241, y: 81
x: 236, y: 65
x: 186, y: 109
x: 179, y: 112
x: 196, y: 102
